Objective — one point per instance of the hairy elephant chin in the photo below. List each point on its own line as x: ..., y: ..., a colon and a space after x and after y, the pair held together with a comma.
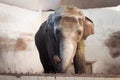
x: 67, y: 52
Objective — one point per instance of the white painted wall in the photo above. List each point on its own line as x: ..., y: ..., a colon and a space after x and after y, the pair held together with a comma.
x: 53, y: 4
x: 18, y: 52
x: 29, y: 4
x: 17, y: 23
x: 85, y: 4
x: 49, y: 4
x: 34, y: 4
x: 106, y: 21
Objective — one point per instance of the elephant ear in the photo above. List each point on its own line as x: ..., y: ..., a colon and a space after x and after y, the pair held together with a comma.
x: 88, y: 28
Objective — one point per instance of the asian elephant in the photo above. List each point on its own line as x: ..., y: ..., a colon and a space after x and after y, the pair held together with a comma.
x: 58, y: 38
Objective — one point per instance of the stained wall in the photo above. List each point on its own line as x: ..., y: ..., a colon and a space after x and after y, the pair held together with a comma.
x: 18, y: 52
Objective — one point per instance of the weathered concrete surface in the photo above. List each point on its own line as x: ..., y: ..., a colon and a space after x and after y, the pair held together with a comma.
x: 18, y: 53
x: 84, y: 4
x: 106, y: 21
x: 3, y: 77
x: 29, y: 4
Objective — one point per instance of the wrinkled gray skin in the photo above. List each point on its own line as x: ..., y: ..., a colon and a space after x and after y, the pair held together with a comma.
x: 57, y: 39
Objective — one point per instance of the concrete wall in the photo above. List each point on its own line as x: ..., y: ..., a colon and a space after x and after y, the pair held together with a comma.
x: 49, y: 4
x: 53, y: 4
x: 19, y: 54
x: 92, y: 3
x: 34, y: 4
x: 29, y: 4
x: 106, y: 22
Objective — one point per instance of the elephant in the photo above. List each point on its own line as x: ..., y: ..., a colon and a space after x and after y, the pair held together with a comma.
x: 58, y: 38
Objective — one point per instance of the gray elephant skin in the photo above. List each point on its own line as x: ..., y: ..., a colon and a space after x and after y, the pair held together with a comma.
x: 58, y: 37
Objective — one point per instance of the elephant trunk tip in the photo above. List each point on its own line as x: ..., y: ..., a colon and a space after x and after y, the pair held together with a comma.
x: 57, y: 59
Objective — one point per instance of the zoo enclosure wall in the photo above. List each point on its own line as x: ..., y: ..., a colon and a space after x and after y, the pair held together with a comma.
x: 15, y: 61
x: 45, y: 4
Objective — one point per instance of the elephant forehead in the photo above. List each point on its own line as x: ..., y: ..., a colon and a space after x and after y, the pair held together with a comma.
x: 70, y: 21
x: 68, y: 11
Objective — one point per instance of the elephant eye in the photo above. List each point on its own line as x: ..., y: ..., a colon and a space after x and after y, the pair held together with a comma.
x: 80, y: 20
x: 57, y: 19
x: 78, y: 32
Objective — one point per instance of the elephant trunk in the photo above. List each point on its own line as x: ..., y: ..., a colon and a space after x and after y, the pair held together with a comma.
x: 67, y: 53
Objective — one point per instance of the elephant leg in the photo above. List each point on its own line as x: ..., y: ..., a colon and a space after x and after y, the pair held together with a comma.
x: 44, y: 57
x: 79, y: 59
x: 49, y: 69
x: 45, y: 60
x: 46, y: 66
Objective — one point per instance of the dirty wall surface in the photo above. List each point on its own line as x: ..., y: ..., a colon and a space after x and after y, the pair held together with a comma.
x: 106, y: 21
x: 19, y: 54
